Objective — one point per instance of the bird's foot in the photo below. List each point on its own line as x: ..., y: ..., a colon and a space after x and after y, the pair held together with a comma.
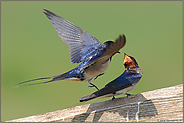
x: 92, y: 85
x: 113, y: 98
x: 128, y: 95
x: 98, y: 76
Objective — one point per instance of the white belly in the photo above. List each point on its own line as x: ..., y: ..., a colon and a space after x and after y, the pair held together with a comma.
x: 95, y: 70
x: 125, y: 90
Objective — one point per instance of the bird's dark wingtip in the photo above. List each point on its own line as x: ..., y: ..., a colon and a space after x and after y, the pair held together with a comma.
x: 45, y: 9
x: 80, y: 100
x: 122, y: 38
x: 123, y: 35
x: 87, y: 98
x: 49, y: 14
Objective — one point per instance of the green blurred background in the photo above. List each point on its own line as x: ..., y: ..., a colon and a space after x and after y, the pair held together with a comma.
x: 31, y: 48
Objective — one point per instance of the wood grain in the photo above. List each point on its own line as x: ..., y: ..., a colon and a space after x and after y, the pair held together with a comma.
x: 162, y: 105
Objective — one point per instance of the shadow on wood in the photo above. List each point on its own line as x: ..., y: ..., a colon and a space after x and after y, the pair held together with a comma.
x: 123, y: 109
x: 162, y: 105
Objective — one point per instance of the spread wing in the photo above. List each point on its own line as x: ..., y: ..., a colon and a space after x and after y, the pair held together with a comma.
x: 79, y: 41
x: 114, y: 47
x: 107, y: 51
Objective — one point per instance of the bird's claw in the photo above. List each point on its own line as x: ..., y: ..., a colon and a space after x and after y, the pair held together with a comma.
x: 128, y: 95
x: 98, y: 76
x: 92, y: 85
x: 113, y: 98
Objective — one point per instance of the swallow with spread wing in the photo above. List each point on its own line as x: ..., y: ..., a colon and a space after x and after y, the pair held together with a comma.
x: 85, y: 48
x: 124, y: 83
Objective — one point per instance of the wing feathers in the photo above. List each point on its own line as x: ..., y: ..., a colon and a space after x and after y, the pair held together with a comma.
x: 83, y: 46
x: 77, y: 39
x: 108, y: 51
x: 116, y: 46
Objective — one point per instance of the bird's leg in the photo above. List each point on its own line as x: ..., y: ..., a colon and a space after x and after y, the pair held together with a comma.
x: 92, y: 85
x: 118, y: 52
x: 98, y: 76
x: 128, y: 94
x: 113, y: 98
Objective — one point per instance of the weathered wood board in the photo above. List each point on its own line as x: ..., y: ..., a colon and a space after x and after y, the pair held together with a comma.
x: 162, y: 105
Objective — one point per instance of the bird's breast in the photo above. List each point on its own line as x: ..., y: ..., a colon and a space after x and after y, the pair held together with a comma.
x: 96, y: 69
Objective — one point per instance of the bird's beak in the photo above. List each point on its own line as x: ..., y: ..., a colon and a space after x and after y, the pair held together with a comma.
x: 126, y: 58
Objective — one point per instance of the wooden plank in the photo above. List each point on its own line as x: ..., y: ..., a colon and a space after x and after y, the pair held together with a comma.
x: 162, y: 105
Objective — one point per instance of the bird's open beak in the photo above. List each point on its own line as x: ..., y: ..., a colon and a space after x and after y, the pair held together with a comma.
x: 127, y: 58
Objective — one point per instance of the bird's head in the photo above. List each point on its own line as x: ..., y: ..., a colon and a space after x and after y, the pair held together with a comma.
x: 131, y: 64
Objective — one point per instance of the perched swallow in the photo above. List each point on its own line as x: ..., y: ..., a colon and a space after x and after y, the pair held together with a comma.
x: 85, y: 48
x: 124, y: 83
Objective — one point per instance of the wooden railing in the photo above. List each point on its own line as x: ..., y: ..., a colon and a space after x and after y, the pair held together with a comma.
x: 162, y: 105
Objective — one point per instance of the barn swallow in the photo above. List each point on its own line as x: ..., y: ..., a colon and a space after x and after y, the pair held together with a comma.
x: 124, y: 83
x: 85, y: 48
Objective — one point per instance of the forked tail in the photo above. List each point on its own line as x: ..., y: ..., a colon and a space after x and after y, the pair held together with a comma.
x: 53, y: 78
